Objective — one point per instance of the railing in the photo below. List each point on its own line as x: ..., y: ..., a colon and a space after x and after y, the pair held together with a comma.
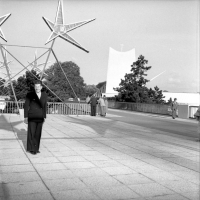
x: 141, y: 107
x: 68, y: 108
x: 71, y: 108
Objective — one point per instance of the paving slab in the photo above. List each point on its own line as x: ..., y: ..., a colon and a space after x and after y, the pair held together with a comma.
x: 150, y: 189
x: 19, y: 177
x: 83, y: 194
x: 38, y: 196
x: 84, y: 157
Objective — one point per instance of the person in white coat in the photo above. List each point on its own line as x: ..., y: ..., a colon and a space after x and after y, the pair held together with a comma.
x: 102, y: 107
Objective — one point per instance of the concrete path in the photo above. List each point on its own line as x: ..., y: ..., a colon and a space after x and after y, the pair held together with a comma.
x: 93, y: 158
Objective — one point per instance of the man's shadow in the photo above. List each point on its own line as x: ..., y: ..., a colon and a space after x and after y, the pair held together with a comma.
x: 22, y: 135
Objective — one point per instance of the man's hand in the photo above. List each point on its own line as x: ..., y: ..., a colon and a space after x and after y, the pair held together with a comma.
x: 26, y: 120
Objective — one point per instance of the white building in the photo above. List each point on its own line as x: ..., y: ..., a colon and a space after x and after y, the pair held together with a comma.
x: 119, y: 63
x: 192, y: 99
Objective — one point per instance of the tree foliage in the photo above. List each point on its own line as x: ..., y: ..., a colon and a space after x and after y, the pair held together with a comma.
x: 24, y: 84
x: 90, y: 89
x: 62, y: 87
x: 4, y: 90
x: 133, y: 87
x: 55, y: 81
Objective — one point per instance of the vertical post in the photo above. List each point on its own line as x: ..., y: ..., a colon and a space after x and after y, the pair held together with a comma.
x: 47, y: 59
x: 8, y: 73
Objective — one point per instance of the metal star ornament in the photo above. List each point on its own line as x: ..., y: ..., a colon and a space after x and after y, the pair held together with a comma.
x: 59, y: 29
x: 2, y: 20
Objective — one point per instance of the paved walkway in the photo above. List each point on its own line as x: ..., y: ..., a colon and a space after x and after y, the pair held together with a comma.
x: 93, y: 158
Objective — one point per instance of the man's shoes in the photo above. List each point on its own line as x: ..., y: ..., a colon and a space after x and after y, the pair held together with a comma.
x: 33, y: 152
x: 38, y: 151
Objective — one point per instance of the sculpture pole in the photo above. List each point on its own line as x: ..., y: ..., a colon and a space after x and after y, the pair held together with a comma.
x: 8, y: 73
x: 47, y: 59
x: 25, y: 68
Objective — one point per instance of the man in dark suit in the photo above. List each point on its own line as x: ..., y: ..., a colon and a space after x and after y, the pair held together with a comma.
x: 93, y: 102
x: 34, y: 115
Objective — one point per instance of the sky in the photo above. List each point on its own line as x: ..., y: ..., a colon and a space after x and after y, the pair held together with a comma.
x: 165, y: 32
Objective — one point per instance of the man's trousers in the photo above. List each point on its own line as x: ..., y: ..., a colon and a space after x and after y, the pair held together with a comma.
x: 93, y: 110
x: 34, y: 136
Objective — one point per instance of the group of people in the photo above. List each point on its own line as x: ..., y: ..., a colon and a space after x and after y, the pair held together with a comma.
x: 98, y: 105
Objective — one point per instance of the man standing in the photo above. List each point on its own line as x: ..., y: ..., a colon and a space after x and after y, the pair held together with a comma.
x: 174, y: 108
x: 34, y: 115
x: 93, y: 102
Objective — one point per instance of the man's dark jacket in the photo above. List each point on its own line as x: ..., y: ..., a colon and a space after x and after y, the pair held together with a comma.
x: 93, y: 101
x: 35, y: 108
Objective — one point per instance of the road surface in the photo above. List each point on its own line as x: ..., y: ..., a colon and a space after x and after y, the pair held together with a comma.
x: 177, y: 127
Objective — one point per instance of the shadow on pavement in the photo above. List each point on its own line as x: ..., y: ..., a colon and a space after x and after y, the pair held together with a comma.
x: 14, y: 126
x: 4, y: 191
x: 22, y: 135
x: 100, y: 128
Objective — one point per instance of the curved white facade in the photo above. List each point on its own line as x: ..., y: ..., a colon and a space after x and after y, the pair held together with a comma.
x: 119, y: 63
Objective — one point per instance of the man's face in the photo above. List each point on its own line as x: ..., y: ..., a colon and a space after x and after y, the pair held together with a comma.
x: 38, y: 88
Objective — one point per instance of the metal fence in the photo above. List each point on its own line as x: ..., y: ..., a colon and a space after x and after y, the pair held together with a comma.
x: 71, y: 108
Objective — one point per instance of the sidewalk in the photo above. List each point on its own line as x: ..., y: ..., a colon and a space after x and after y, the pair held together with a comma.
x: 95, y: 158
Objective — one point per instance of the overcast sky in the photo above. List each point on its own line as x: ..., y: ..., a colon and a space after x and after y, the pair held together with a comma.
x: 165, y: 32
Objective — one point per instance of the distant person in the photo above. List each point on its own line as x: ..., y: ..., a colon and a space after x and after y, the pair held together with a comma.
x: 102, y: 107
x: 106, y: 104
x: 34, y: 115
x: 93, y: 102
x: 174, y: 107
x: 197, y: 116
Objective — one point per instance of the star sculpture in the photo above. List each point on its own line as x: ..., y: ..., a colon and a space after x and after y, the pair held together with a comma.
x: 2, y: 20
x: 59, y: 29
x: 35, y: 65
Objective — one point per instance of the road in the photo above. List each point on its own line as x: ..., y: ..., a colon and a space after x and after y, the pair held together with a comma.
x: 176, y: 127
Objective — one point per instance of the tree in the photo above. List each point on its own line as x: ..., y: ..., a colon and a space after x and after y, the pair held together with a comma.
x: 30, y: 78
x: 158, y: 96
x: 21, y: 87
x: 132, y: 88
x: 4, y: 90
x: 169, y: 102
x: 90, y: 89
x: 58, y: 83
x: 25, y: 84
